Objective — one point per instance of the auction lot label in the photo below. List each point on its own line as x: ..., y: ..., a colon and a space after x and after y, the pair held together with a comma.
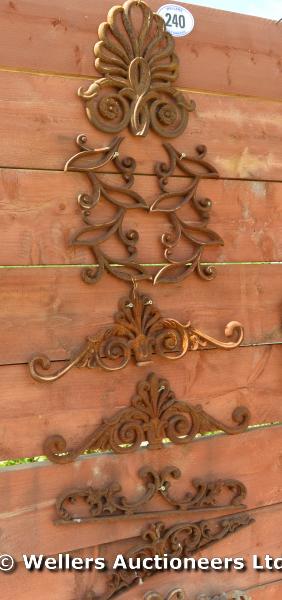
x: 179, y: 21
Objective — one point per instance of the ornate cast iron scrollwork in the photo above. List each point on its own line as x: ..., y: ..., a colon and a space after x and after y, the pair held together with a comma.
x: 195, y: 233
x: 122, y: 197
x: 107, y: 503
x: 179, y: 594
x: 139, y: 331
x: 139, y: 65
x: 180, y: 541
x: 153, y: 417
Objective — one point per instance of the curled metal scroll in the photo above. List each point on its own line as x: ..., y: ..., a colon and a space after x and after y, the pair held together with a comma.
x: 153, y: 417
x: 107, y: 503
x: 139, y: 65
x: 180, y: 541
x: 139, y: 331
x: 122, y: 197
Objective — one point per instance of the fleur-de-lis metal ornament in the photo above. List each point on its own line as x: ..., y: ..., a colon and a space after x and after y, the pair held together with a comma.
x: 136, y: 58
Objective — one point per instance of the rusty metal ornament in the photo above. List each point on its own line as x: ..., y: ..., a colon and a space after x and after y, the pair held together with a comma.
x: 107, y: 503
x: 196, y: 233
x: 154, y: 416
x: 180, y: 541
x: 135, y: 55
x: 123, y: 198
x: 139, y: 331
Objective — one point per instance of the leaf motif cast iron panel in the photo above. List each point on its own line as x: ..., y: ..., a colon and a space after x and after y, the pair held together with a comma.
x: 107, y: 503
x: 123, y: 198
x: 153, y: 417
x: 139, y: 332
x: 181, y: 540
x: 135, y: 55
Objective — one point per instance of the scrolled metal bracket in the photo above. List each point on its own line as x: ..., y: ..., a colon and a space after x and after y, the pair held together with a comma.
x: 153, y: 417
x: 106, y: 503
x: 181, y: 540
x: 138, y: 64
x: 140, y: 332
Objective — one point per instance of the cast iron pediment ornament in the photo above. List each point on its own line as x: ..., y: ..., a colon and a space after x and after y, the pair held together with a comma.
x: 181, y: 540
x: 139, y: 332
x: 136, y: 58
x: 154, y: 416
x: 123, y: 198
x: 106, y: 503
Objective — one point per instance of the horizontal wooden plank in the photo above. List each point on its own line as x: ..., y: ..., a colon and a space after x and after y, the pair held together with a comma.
x: 28, y: 493
x: 240, y: 48
x: 51, y: 311
x: 261, y: 537
x: 37, y: 224
x: 271, y: 591
x: 243, y: 137
x: 76, y: 404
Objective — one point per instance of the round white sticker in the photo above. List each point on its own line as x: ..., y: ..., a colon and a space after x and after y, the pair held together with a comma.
x: 179, y: 21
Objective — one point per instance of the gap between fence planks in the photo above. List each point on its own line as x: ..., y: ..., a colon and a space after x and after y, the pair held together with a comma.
x: 51, y: 310
x: 40, y: 118
x: 66, y: 585
x: 40, y: 215
x: 75, y: 405
x: 69, y: 31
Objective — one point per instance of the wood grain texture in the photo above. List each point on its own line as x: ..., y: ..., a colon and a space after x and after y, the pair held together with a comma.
x: 261, y: 537
x: 76, y: 404
x: 40, y: 215
x: 243, y: 137
x: 249, y: 47
x: 28, y: 493
x: 52, y: 311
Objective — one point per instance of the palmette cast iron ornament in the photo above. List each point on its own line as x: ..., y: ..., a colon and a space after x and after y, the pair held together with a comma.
x: 135, y: 54
x: 154, y: 416
x: 180, y: 541
x: 106, y: 503
x: 123, y: 198
x: 140, y: 332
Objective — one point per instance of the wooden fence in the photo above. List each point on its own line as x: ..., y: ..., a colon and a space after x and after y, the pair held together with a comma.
x: 231, y: 66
